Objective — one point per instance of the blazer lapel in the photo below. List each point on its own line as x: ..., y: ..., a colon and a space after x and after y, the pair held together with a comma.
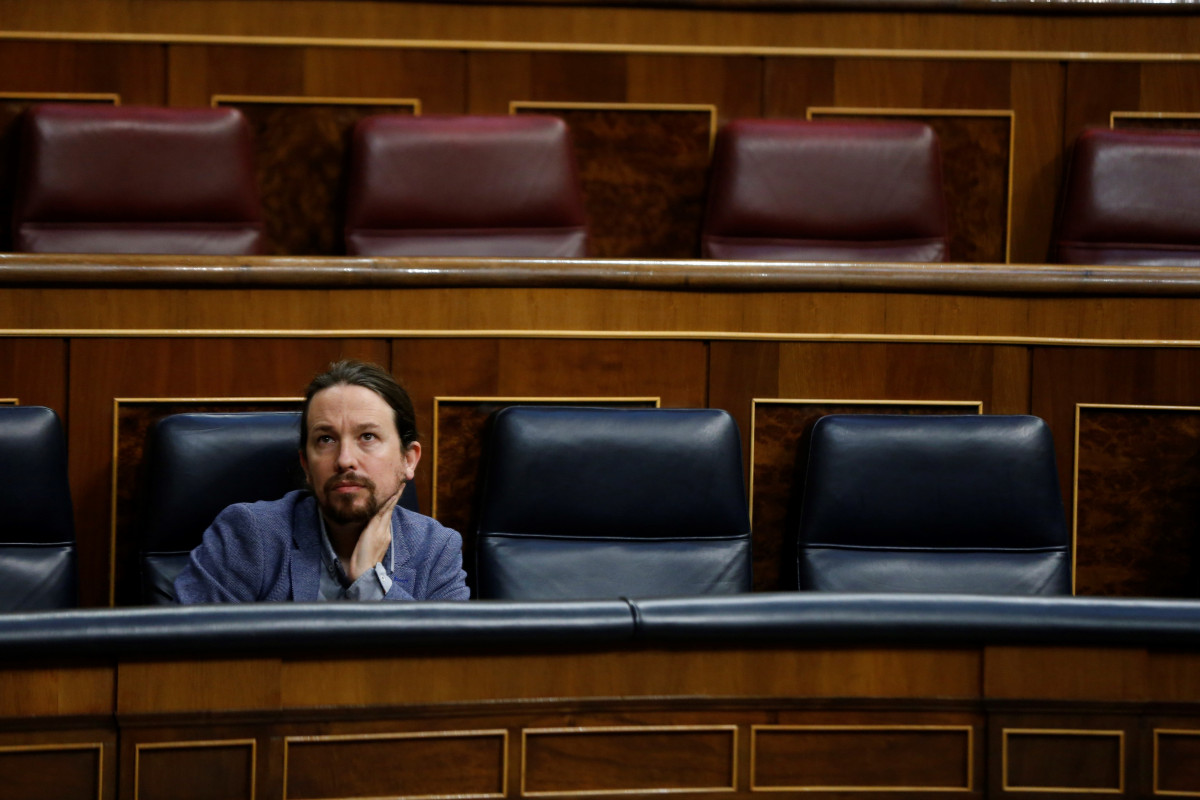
x: 305, y: 566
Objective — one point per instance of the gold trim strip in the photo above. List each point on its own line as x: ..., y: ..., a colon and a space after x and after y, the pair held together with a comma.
x: 583, y: 47
x: 1113, y: 116
x: 299, y: 100
x: 116, y: 444
x: 970, y: 752
x: 949, y: 112
x: 437, y: 401
x: 211, y: 743
x: 1006, y: 786
x: 110, y: 97
x: 634, y: 729
x: 360, y: 737
x: 731, y: 336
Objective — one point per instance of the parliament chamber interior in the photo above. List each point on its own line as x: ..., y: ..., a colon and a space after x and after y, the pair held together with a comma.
x: 875, y: 321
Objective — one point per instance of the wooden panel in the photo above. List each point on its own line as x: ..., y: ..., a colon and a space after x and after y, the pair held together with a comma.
x: 457, y: 452
x: 1037, y: 103
x: 199, y: 686
x: 792, y: 85
x: 410, y: 765
x: 734, y: 84
x: 567, y: 761
x: 301, y: 155
x: 1094, y: 91
x: 34, y: 372
x: 779, y: 432
x: 48, y: 691
x: 104, y: 370
x: 62, y: 771
x: 1063, y: 378
x: 1063, y: 760
x: 643, y: 170
x: 133, y: 420
x: 1177, y: 761
x: 862, y: 758
x: 195, y: 770
x: 135, y: 72
x: 1075, y: 673
x: 1137, y: 501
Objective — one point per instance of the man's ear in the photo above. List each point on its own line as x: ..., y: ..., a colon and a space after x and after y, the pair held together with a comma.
x: 304, y: 466
x: 412, y: 454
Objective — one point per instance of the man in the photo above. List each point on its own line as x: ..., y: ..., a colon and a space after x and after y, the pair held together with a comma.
x: 346, y: 538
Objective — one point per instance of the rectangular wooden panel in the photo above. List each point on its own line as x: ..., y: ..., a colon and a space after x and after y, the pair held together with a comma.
x: 182, y: 686
x: 408, y: 765
x: 207, y: 770
x: 1065, y: 673
x: 30, y: 691
x: 1050, y: 760
x: 621, y: 760
x: 907, y: 758
x: 64, y: 772
x: 1137, y: 495
x: 1177, y: 762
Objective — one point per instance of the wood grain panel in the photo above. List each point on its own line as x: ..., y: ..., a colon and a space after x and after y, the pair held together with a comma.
x: 1176, y: 761
x: 166, y: 687
x: 734, y: 84
x: 1063, y: 378
x: 102, y: 370
x: 1079, y: 673
x: 66, y: 771
x: 1094, y: 91
x: 568, y: 761
x: 644, y: 173
x: 135, y: 72
x: 48, y: 691
x: 34, y: 372
x: 1057, y: 760
x: 905, y: 758
x: 792, y: 85
x: 431, y: 764
x: 195, y: 770
x: 301, y: 157
x: 780, y: 431
x: 1137, y: 484
x: 1038, y: 91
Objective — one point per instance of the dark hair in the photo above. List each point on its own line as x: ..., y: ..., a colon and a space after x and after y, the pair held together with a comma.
x: 349, y: 372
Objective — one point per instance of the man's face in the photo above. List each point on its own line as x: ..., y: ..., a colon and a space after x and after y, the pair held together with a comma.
x: 354, y: 459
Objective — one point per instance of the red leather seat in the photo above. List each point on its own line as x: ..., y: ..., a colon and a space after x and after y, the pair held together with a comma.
x: 105, y: 179
x: 464, y: 186
x: 790, y: 190
x: 1131, y: 197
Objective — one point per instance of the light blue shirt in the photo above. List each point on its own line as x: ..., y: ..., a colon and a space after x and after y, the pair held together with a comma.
x: 335, y: 583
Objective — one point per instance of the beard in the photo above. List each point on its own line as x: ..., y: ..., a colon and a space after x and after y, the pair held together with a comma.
x: 346, y: 509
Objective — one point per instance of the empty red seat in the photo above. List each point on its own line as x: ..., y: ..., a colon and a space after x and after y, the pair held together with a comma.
x: 464, y: 186
x: 826, y: 191
x: 108, y: 179
x: 1131, y: 197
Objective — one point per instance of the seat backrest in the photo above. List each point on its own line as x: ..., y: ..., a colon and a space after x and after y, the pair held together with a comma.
x: 1131, y: 197
x: 107, y: 179
x: 956, y: 504
x: 596, y: 503
x: 464, y: 186
x: 37, y: 540
x: 826, y: 191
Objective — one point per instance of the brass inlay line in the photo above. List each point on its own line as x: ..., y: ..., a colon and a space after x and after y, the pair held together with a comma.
x: 210, y: 743
x: 299, y: 100
x: 437, y: 403
x: 946, y: 112
x: 1004, y: 763
x: 905, y: 53
x: 1116, y: 115
x: 970, y: 760
x: 756, y: 401
x: 78, y: 97
x: 116, y: 445
x: 376, y: 737
x: 631, y: 729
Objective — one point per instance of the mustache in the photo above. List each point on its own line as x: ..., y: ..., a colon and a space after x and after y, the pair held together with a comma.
x: 350, y: 479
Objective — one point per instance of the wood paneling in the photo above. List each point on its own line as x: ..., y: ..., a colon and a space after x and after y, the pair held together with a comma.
x: 1063, y: 760
x: 195, y: 770
x: 67, y: 771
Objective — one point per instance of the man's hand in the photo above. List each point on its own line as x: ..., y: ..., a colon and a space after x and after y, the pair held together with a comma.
x: 374, y: 540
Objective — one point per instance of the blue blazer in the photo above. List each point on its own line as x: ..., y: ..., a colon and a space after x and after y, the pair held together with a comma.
x: 272, y: 551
